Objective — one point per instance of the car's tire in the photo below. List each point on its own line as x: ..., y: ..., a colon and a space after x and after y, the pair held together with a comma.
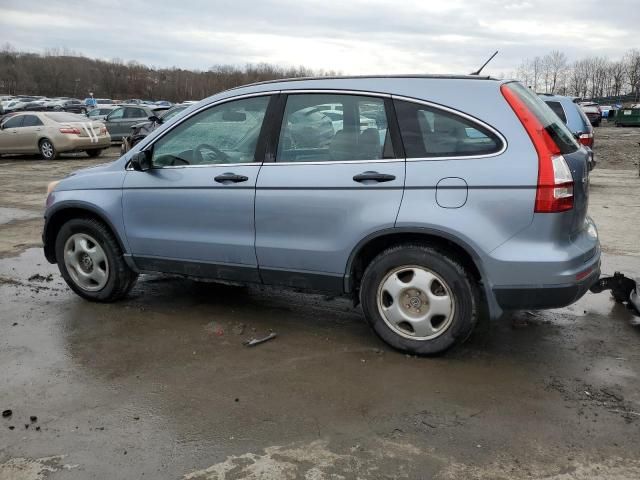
x: 96, y: 152
x: 91, y: 262
x: 442, y: 299
x: 47, y: 149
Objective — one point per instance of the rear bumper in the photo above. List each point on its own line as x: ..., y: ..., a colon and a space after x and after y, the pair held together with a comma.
x: 72, y: 143
x: 530, y: 273
x: 545, y: 296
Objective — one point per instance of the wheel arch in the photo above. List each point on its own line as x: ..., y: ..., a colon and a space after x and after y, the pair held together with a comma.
x: 373, y: 244
x: 64, y: 212
x: 378, y: 241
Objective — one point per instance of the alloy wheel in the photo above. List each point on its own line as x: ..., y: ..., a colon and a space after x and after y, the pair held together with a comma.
x: 86, y: 262
x: 415, y: 302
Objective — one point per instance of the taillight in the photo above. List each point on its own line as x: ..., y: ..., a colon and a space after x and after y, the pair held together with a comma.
x: 586, y: 139
x: 70, y: 130
x: 103, y: 130
x: 554, y: 190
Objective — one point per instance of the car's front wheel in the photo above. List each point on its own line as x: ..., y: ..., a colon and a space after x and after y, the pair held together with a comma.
x: 91, y: 262
x: 419, y: 299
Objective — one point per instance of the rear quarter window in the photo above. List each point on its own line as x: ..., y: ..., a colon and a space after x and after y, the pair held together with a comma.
x: 556, y: 129
x: 429, y: 132
x: 557, y: 109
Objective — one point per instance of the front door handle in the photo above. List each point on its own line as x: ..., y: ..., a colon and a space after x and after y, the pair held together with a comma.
x: 229, y: 177
x: 373, y: 177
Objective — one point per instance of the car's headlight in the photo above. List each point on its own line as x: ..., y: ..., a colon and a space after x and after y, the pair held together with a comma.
x: 51, y: 186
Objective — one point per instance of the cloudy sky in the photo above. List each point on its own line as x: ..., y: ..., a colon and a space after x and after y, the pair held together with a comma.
x: 350, y: 36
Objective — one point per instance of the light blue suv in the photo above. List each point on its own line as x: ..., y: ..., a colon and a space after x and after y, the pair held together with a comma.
x: 431, y: 200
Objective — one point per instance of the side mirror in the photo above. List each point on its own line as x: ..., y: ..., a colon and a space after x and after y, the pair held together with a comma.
x: 141, y: 161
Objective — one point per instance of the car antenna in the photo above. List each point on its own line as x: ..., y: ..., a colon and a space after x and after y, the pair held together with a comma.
x: 477, y: 72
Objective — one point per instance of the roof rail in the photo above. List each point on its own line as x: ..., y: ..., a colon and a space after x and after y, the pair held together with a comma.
x: 349, y: 77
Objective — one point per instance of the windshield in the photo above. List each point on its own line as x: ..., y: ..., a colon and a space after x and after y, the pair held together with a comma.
x: 554, y: 126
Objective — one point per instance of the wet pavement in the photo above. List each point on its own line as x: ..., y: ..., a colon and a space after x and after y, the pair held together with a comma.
x: 161, y: 386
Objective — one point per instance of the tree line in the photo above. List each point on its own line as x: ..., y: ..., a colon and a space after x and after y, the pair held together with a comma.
x: 67, y: 73
x: 589, y: 78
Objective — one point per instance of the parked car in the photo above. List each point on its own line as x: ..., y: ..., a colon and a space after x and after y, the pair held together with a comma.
x: 121, y: 119
x: 34, y: 106
x: 141, y: 130
x: 592, y: 111
x: 574, y: 118
x: 476, y: 200
x: 14, y: 106
x: 101, y: 112
x: 51, y: 133
x: 71, y: 105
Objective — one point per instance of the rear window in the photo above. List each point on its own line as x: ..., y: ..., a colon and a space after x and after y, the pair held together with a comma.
x: 557, y: 109
x: 62, y: 117
x: 586, y: 124
x: 431, y: 132
x: 557, y: 130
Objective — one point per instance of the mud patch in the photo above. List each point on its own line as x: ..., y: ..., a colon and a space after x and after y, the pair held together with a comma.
x: 32, y: 468
x: 316, y: 461
x: 610, y: 469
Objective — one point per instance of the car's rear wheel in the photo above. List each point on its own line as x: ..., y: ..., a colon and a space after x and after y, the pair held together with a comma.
x: 47, y: 149
x: 94, y: 152
x: 91, y: 262
x: 419, y: 299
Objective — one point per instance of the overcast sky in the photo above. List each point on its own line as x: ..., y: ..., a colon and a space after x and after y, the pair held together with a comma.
x: 351, y: 36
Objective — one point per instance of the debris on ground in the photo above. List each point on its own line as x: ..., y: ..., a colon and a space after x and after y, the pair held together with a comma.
x: 215, y: 327
x: 7, y: 413
x: 33, y: 418
x: 257, y: 341
x: 40, y: 278
x: 239, y: 329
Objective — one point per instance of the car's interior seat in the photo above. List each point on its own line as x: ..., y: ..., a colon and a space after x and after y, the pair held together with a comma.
x: 370, y: 145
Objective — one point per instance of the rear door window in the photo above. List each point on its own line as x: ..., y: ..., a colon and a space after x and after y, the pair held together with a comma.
x: 429, y: 132
x: 557, y: 109
x: 31, y: 121
x: 332, y: 127
x: 134, y: 113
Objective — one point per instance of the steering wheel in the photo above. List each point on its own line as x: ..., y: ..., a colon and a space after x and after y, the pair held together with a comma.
x: 219, y: 154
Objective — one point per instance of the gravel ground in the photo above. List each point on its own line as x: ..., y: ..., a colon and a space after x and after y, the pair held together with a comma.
x: 617, y: 148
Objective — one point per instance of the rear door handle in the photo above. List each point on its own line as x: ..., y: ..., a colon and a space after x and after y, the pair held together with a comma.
x: 373, y: 177
x: 229, y: 177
